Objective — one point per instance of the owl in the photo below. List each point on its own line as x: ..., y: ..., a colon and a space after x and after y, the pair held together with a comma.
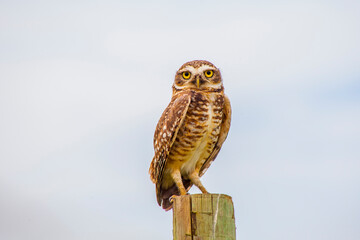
x: 190, y: 132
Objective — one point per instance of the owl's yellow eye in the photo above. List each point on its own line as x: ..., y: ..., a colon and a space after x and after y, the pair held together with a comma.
x: 186, y: 75
x: 209, y: 73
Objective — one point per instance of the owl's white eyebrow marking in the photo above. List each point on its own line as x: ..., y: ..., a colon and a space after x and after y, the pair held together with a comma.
x: 188, y: 68
x: 205, y: 67
x: 200, y: 70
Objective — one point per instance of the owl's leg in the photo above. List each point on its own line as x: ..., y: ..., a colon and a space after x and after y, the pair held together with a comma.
x: 176, y: 175
x: 195, y: 179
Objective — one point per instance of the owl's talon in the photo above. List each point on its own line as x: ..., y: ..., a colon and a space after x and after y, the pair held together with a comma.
x: 172, y: 198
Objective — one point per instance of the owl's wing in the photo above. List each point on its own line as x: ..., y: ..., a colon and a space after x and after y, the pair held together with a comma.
x: 224, y: 129
x: 166, y: 132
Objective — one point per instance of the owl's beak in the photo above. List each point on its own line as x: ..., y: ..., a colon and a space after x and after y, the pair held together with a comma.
x: 198, y: 81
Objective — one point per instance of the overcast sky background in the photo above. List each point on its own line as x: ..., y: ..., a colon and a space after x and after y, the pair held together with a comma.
x: 83, y: 84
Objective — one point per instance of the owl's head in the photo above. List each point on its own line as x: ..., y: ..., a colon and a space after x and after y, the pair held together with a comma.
x: 198, y: 75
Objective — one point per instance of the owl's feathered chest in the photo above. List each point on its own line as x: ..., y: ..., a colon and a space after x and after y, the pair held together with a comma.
x: 199, y: 132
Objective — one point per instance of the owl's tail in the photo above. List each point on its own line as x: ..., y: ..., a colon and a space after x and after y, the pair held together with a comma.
x: 163, y: 195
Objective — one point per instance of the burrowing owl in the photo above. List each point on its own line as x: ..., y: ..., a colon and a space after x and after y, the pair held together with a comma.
x: 190, y: 132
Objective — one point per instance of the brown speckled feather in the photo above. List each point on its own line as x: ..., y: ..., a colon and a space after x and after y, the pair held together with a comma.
x: 225, y: 126
x: 166, y: 131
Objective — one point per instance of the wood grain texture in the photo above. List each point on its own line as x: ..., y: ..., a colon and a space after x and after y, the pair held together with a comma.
x: 182, y: 222
x: 203, y: 217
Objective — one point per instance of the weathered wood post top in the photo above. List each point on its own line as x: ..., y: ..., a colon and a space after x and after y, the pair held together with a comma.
x: 203, y: 217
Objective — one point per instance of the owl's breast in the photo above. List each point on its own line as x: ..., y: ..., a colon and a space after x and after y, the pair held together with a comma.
x: 199, y: 132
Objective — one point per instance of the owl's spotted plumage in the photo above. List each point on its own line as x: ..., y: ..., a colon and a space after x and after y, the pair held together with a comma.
x: 190, y: 132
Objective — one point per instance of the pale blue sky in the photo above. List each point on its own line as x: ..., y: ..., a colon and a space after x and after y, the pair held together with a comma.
x: 83, y: 84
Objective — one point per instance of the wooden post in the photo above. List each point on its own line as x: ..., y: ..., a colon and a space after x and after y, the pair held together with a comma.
x: 203, y: 217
